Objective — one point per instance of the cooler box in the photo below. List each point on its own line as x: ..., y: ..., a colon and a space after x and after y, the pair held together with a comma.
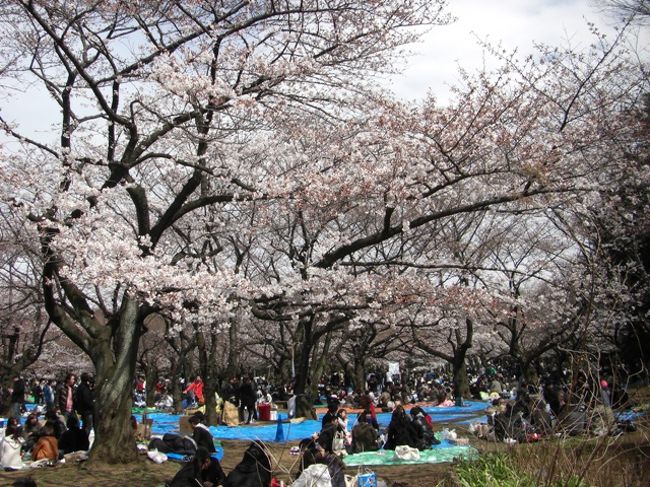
x: 367, y: 480
x: 264, y: 410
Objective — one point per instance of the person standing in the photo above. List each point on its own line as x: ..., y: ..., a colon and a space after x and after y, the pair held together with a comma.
x: 65, y: 396
x: 248, y: 398
x: 85, y: 401
x: 48, y: 395
x: 17, y: 397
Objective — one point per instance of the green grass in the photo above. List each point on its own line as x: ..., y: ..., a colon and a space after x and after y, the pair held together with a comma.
x: 498, y: 470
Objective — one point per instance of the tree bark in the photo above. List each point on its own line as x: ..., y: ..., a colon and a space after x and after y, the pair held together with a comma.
x: 304, y: 400
x: 115, y: 363
x: 151, y: 376
x: 232, y: 366
x: 5, y: 402
x: 460, y: 380
x: 175, y: 389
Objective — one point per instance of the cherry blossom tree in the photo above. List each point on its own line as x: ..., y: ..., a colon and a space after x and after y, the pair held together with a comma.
x: 24, y: 325
x: 158, y: 101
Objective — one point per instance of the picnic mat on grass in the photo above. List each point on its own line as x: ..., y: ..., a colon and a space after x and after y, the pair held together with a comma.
x: 179, y: 458
x: 168, y: 423
x: 438, y: 454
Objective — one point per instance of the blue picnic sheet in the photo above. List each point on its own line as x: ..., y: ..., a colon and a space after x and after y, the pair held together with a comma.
x: 169, y: 423
x: 181, y: 458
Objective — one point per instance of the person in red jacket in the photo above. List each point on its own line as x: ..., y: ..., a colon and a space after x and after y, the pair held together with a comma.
x: 195, y: 390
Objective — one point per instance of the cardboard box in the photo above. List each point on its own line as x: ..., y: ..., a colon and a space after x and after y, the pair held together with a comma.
x: 144, y: 429
x: 184, y: 425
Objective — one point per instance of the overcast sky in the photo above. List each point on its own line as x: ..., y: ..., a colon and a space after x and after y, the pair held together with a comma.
x: 515, y: 23
x: 434, y: 65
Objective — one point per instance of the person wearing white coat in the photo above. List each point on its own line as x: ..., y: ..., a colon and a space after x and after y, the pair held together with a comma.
x: 10, y: 458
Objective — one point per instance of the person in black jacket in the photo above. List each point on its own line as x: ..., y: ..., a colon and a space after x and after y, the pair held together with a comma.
x: 364, y: 436
x: 253, y: 471
x: 54, y: 420
x: 332, y: 408
x: 327, y: 434
x: 74, y: 438
x: 248, y: 398
x: 65, y: 396
x: 84, y: 401
x: 201, y: 434
x: 400, y: 430
x: 17, y: 397
x: 202, y: 471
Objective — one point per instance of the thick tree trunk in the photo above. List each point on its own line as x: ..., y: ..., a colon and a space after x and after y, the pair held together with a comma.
x: 460, y: 380
x: 151, y: 377
x: 207, y: 345
x: 5, y: 398
x: 304, y: 399
x: 209, y: 388
x: 359, y: 373
x: 114, y: 436
x: 115, y: 358
x: 232, y: 367
x: 175, y: 389
x: 529, y: 373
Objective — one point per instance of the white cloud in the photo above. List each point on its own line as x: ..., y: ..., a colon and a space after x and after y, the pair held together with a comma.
x: 515, y: 23
x: 434, y: 65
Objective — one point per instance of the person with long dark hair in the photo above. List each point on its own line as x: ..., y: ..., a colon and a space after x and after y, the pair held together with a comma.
x: 202, y: 471
x: 400, y: 430
x: 10, y: 448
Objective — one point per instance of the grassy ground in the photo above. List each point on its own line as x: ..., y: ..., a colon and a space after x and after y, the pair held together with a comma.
x: 609, y: 462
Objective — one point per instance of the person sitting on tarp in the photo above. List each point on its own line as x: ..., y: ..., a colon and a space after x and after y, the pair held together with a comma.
x: 199, y: 472
x: 74, y: 438
x: 364, y: 436
x: 400, y: 430
x: 31, y: 432
x: 332, y: 409
x: 47, y: 446
x: 165, y: 402
x: 313, y: 453
x: 424, y: 428
x: 368, y: 405
x: 326, y: 436
x: 56, y: 421
x: 201, y: 433
x: 195, y: 390
x: 10, y: 455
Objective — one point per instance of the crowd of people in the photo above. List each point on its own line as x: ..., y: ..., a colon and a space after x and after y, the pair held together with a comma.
x: 61, y: 422
x: 519, y: 411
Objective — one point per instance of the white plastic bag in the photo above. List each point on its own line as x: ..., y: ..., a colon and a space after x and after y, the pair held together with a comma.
x: 315, y: 475
x: 447, y: 434
x: 157, y: 456
x: 405, y: 452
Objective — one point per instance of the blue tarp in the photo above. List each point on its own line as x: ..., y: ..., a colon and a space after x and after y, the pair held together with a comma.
x: 180, y: 458
x: 166, y: 423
